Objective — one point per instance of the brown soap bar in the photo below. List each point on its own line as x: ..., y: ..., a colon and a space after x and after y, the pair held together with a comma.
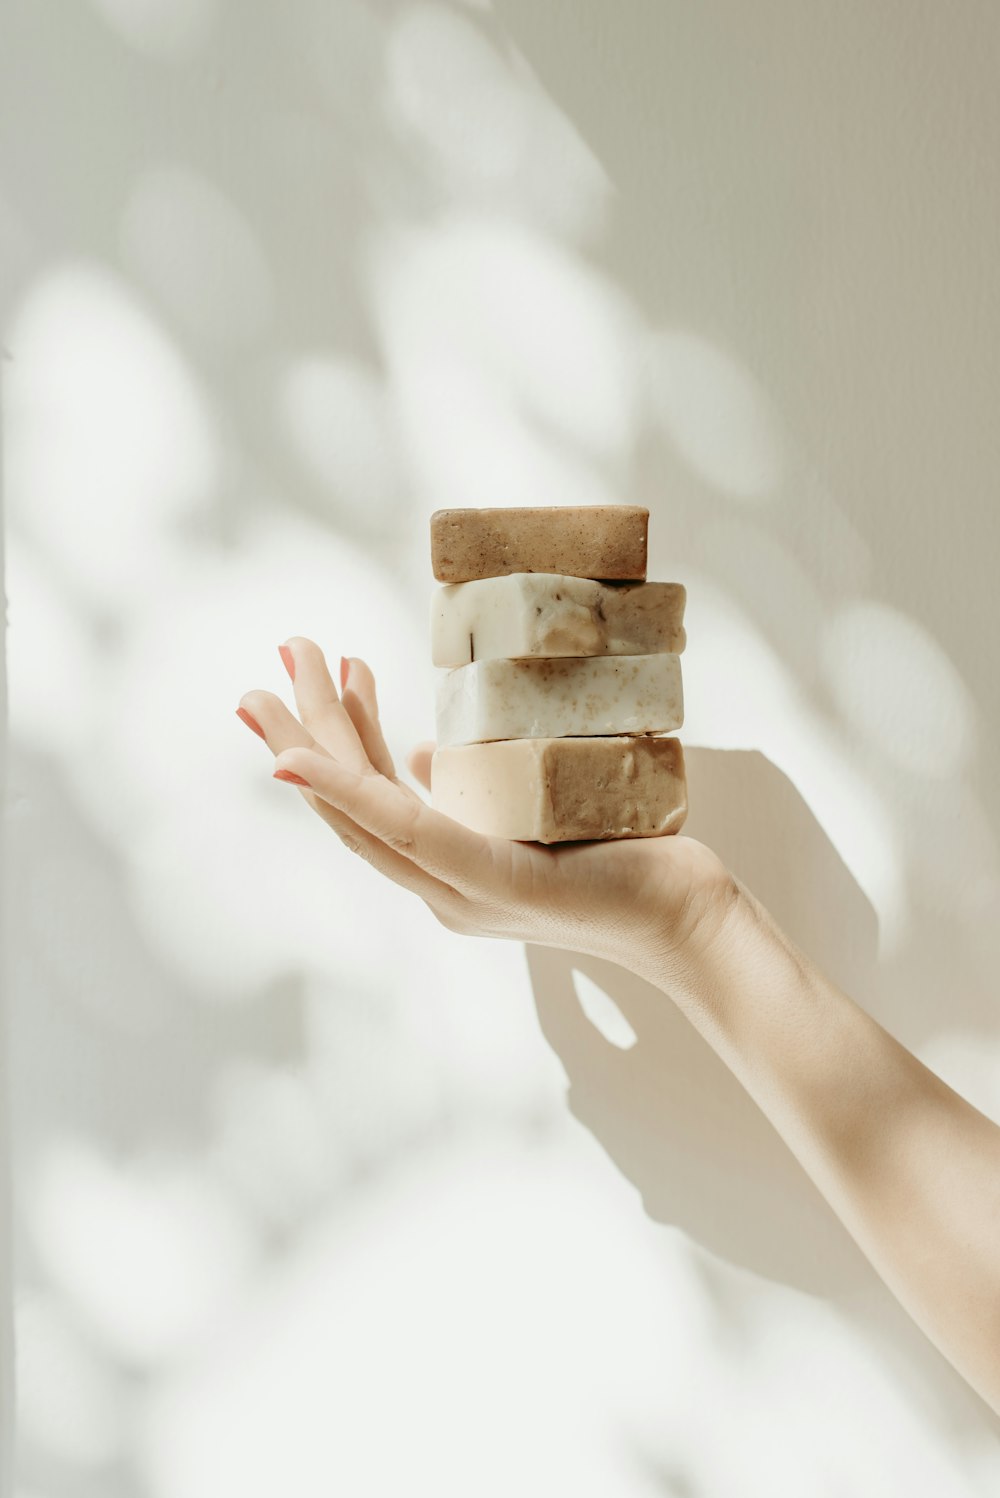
x: 563, y: 790
x: 606, y: 542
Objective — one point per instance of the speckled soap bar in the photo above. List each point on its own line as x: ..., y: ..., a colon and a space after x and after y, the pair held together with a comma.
x: 543, y: 614
x: 563, y: 790
x: 548, y: 699
x: 601, y: 541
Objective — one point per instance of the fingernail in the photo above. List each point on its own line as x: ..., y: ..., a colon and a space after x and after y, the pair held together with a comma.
x: 290, y: 776
x: 250, y: 722
x: 287, y: 660
x: 345, y: 666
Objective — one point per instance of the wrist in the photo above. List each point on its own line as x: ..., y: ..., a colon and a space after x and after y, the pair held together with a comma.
x: 721, y: 945
x: 678, y: 941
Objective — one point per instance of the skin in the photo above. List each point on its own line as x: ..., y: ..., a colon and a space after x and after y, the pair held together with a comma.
x: 908, y: 1165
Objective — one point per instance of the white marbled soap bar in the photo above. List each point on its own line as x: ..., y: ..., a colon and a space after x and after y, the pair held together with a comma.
x: 549, y: 699
x: 532, y: 614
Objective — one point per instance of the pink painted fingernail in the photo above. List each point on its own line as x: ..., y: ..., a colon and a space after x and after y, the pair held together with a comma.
x: 250, y: 722
x: 345, y: 667
x: 287, y: 660
x: 290, y: 776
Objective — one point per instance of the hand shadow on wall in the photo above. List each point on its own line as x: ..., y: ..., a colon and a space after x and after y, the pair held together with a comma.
x: 668, y: 1112
x: 680, y: 1127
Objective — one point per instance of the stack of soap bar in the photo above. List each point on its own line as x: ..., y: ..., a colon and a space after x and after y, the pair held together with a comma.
x: 561, y: 683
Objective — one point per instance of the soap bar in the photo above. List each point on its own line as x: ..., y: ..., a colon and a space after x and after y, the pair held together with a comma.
x: 548, y: 699
x: 602, y: 541
x: 563, y: 790
x: 541, y: 614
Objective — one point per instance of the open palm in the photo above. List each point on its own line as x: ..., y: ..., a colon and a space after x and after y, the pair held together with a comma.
x: 604, y: 898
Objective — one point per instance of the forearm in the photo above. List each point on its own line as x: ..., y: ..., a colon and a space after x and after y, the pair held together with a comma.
x: 910, y: 1167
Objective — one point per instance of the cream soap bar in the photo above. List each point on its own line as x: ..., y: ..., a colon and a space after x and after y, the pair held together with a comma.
x: 603, y: 541
x: 541, y: 614
x: 563, y: 790
x: 549, y: 699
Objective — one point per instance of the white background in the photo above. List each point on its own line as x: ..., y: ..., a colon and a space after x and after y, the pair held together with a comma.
x: 314, y: 1197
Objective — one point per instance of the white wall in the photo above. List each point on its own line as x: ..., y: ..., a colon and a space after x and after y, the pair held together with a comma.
x: 303, y: 1204
x: 7, y: 1416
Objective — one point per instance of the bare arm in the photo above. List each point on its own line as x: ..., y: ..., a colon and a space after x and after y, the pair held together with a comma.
x: 910, y: 1167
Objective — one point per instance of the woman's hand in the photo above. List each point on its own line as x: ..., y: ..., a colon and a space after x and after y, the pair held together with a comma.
x: 640, y: 902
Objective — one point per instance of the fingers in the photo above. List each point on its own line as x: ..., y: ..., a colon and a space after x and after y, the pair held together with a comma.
x: 398, y: 818
x: 319, y: 705
x: 268, y: 716
x: 361, y: 705
x: 418, y: 762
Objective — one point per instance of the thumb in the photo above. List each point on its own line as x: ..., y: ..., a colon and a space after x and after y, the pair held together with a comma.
x: 418, y: 762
